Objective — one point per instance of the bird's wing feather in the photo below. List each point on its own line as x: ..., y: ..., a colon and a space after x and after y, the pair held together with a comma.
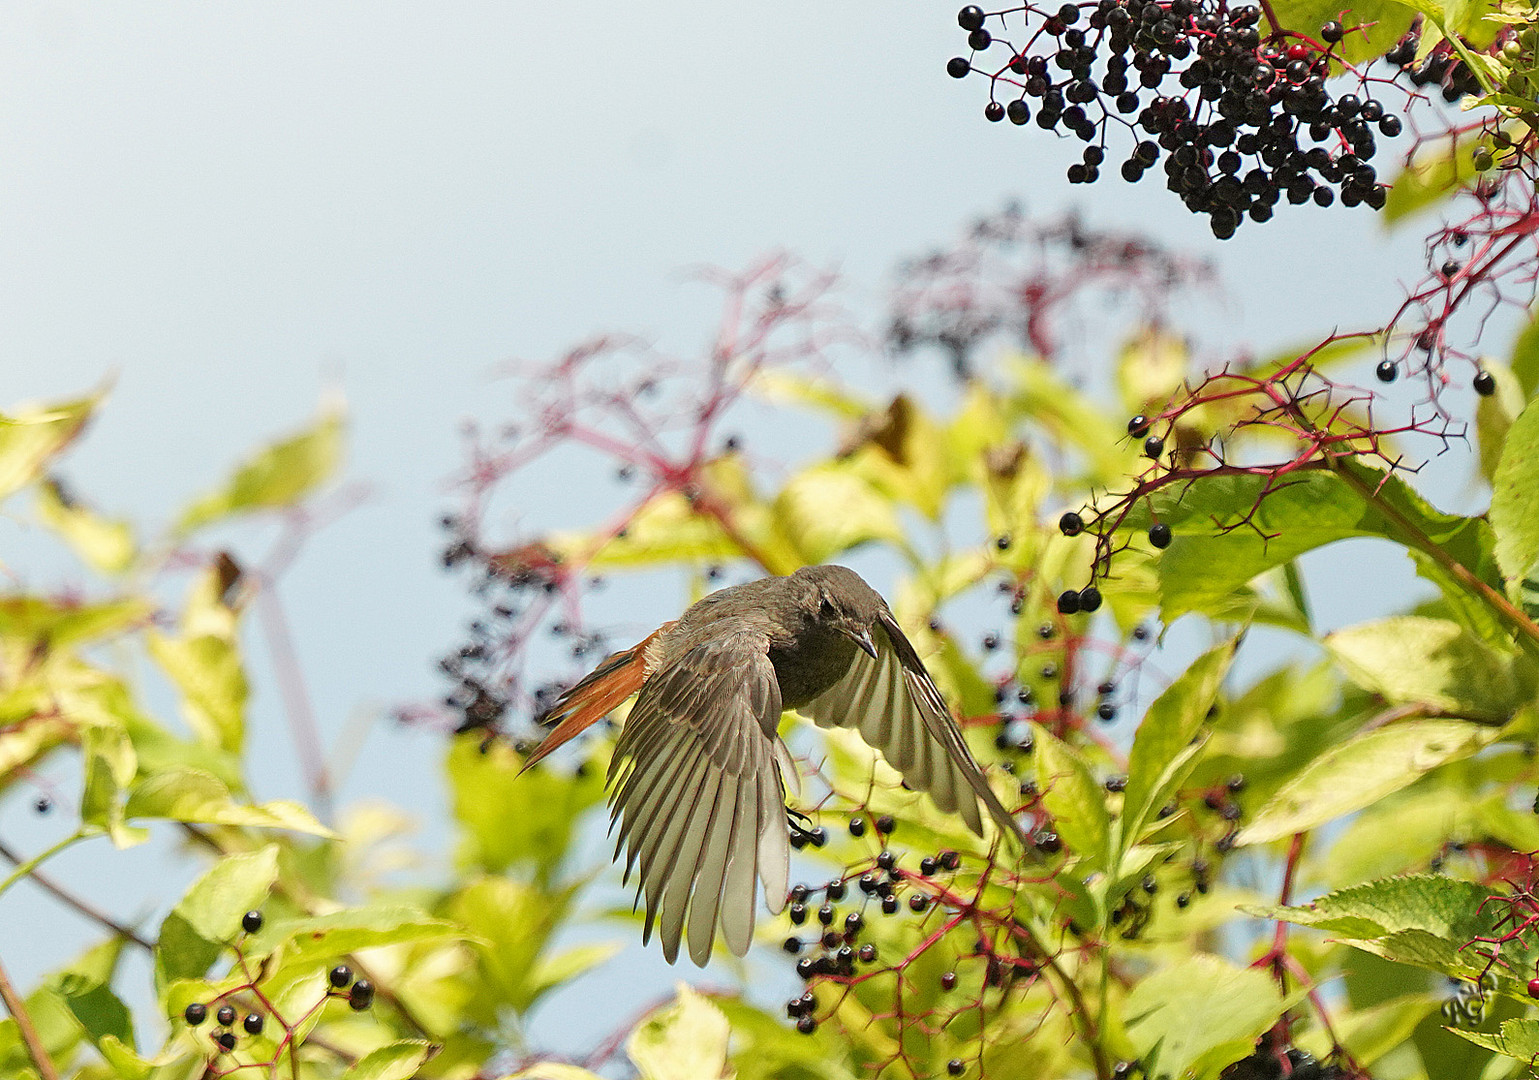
x: 699, y: 797
x: 898, y: 710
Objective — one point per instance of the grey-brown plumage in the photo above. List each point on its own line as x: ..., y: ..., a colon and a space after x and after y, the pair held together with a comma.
x: 696, y: 783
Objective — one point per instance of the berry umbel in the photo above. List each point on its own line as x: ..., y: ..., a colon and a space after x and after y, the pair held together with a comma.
x: 1240, y: 115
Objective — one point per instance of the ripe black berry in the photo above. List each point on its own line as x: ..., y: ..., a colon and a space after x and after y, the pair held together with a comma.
x: 1332, y: 32
x: 1159, y: 534
x: 1387, y: 371
x: 826, y: 914
x: 970, y: 18
x: 792, y: 945
x: 887, y: 860
x: 1047, y: 841
x: 806, y: 1025
x: 42, y: 804
x: 1154, y: 446
x: 361, y: 996
x: 993, y: 112
x: 252, y: 1023
x: 867, y: 953
x: 251, y: 922
x: 918, y: 902
x: 1068, y: 602
x: 798, y: 914
x: 340, y: 976
x: 949, y: 859
x: 955, y: 1067
x: 1089, y: 598
x: 1485, y: 384
x: 835, y: 890
x: 1106, y: 711
x: 195, y: 1013
x: 1071, y: 524
x: 225, y: 1015
x: 948, y: 981
x: 889, y: 905
x: 226, y: 1040
x: 886, y: 824
x: 958, y: 67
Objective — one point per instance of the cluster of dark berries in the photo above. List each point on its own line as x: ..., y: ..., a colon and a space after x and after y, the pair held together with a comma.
x: 836, y: 948
x: 1267, y: 1064
x: 196, y: 1013
x: 515, y: 586
x: 1239, y: 120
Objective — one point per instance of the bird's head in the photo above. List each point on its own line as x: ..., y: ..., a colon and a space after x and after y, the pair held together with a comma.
x: 839, y: 599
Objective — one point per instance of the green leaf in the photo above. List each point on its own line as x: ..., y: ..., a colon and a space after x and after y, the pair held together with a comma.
x: 1163, y: 751
x: 1205, y: 565
x: 97, y: 1008
x: 1383, y: 21
x: 1515, y: 500
x: 683, y: 1041
x: 319, y: 938
x: 515, y: 921
x: 30, y: 438
x: 1525, y: 358
x: 828, y: 509
x: 103, y: 544
x: 394, y: 1061
x: 110, y: 764
x: 1494, y: 415
x: 1517, y: 1038
x: 1422, y: 919
x: 1433, y: 662
x: 488, y: 792
x: 204, y: 662
x: 1438, y: 170
x: 1201, y: 1011
x: 193, y: 795
x: 1368, y: 1034
x: 568, y: 964
x: 279, y: 476
x: 1361, y: 771
x: 1073, y: 797
x: 554, y: 1070
x: 208, y: 917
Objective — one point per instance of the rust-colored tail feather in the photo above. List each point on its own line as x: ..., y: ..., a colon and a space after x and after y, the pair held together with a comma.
x: 595, y: 697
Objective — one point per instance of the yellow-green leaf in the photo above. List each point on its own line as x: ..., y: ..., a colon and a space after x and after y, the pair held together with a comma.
x: 280, y: 475
x: 1361, y: 771
x: 104, y: 544
x: 683, y: 1041
x: 33, y: 436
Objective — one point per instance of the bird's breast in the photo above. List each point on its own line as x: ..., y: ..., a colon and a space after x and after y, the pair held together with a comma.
x: 810, y: 663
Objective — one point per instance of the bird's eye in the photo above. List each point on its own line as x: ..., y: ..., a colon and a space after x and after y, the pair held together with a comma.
x: 827, y: 607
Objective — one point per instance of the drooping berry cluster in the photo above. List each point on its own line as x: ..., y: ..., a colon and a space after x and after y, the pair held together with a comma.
x: 1249, y: 119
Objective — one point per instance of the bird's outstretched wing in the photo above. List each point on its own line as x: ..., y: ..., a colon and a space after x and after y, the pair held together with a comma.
x: 899, y: 711
x: 697, y: 792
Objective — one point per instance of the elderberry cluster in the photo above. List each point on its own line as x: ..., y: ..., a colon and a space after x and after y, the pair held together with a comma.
x: 1265, y: 1064
x: 1248, y: 121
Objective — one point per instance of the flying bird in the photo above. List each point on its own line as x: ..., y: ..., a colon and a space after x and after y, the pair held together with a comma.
x: 696, y: 783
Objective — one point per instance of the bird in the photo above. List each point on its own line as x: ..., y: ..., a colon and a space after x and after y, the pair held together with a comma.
x: 697, y: 779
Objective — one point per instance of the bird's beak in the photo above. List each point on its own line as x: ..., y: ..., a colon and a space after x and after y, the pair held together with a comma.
x: 863, y: 639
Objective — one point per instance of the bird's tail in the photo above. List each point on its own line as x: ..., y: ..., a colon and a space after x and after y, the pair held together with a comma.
x: 595, y: 697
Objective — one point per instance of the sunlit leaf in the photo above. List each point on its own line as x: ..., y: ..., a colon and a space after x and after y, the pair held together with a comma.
x: 1163, y: 750
x: 208, y: 916
x: 1361, y: 771
x: 1072, y: 795
x: 279, y: 476
x: 1433, y: 662
x: 30, y: 438
x: 394, y: 1061
x: 104, y: 544
x: 683, y: 1041
x: 1515, y: 499
x: 1201, y: 1010
x: 192, y: 795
